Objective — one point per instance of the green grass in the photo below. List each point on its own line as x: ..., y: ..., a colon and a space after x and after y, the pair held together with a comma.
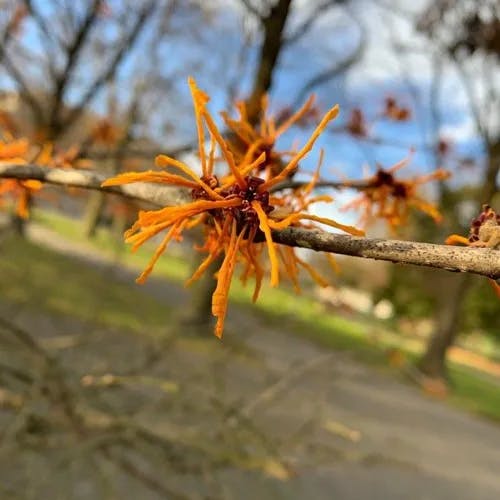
x: 127, y: 307
x: 42, y: 279
x: 172, y: 267
x: 474, y: 393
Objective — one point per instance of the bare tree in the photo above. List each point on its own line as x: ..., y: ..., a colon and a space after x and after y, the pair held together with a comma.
x: 462, y: 43
x: 467, y: 34
x: 272, y: 21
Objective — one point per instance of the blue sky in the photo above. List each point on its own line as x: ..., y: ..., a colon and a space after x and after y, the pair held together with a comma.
x: 213, y: 57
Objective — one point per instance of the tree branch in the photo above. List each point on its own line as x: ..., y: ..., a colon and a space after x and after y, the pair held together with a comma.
x: 106, y: 76
x: 251, y: 9
x: 485, y: 262
x: 339, y: 67
x: 291, y: 184
x: 273, y: 27
x: 18, y: 77
x: 456, y: 259
x: 142, y: 191
x: 311, y: 19
x: 137, y: 152
x: 72, y: 54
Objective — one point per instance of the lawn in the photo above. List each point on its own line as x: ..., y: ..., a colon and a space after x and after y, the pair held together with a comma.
x: 39, y: 278
x: 55, y: 283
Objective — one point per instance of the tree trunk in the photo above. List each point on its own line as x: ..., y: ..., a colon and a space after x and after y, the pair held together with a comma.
x: 274, y: 25
x: 489, y: 188
x: 93, y: 213
x: 198, y: 317
x: 17, y: 223
x: 97, y: 200
x: 119, y: 224
x: 433, y: 363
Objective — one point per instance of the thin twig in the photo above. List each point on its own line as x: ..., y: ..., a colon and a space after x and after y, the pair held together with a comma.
x: 148, y: 480
x: 291, y: 184
x: 273, y: 391
x: 88, y: 179
x: 482, y: 261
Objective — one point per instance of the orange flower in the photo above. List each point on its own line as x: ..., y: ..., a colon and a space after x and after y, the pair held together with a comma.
x: 14, y: 151
x: 20, y: 151
x: 20, y: 191
x: 484, y: 232
x: 251, y: 140
x: 386, y: 197
x: 68, y: 158
x: 7, y: 123
x: 356, y: 125
x: 17, y: 19
x: 237, y: 211
x: 395, y: 112
x: 106, y: 133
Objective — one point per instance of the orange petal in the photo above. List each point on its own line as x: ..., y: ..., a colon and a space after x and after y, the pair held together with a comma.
x: 228, y: 155
x: 221, y: 293
x: 330, y: 115
x: 199, y: 101
x: 296, y: 116
x: 329, y: 222
x: 202, y: 268
x: 496, y: 287
x: 314, y: 274
x: 456, y: 239
x: 158, y: 252
x: 264, y: 227
x: 165, y: 161
x: 149, y: 176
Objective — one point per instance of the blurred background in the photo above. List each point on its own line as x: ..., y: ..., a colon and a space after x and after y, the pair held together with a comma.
x: 385, y: 384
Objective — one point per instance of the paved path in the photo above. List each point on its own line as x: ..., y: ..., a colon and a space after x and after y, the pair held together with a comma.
x: 370, y: 436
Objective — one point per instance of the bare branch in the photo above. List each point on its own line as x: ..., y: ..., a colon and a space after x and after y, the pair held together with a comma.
x: 112, y: 67
x: 336, y: 69
x: 291, y: 184
x: 18, y: 77
x: 251, y: 8
x: 311, y: 19
x: 24, y: 337
x: 136, y: 152
x: 144, y: 477
x: 485, y: 262
x: 457, y: 259
x: 283, y: 384
x: 142, y: 191
x: 72, y: 53
x: 273, y: 26
x: 40, y: 20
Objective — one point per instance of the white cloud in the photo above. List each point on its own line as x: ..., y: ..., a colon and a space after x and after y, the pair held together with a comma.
x: 459, y: 132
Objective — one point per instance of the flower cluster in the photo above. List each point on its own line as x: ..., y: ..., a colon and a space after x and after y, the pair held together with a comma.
x: 393, y: 111
x: 384, y: 196
x: 21, y: 151
x: 484, y: 232
x: 247, y: 141
x: 356, y: 124
x: 16, y: 151
x: 238, y: 209
x: 106, y: 133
